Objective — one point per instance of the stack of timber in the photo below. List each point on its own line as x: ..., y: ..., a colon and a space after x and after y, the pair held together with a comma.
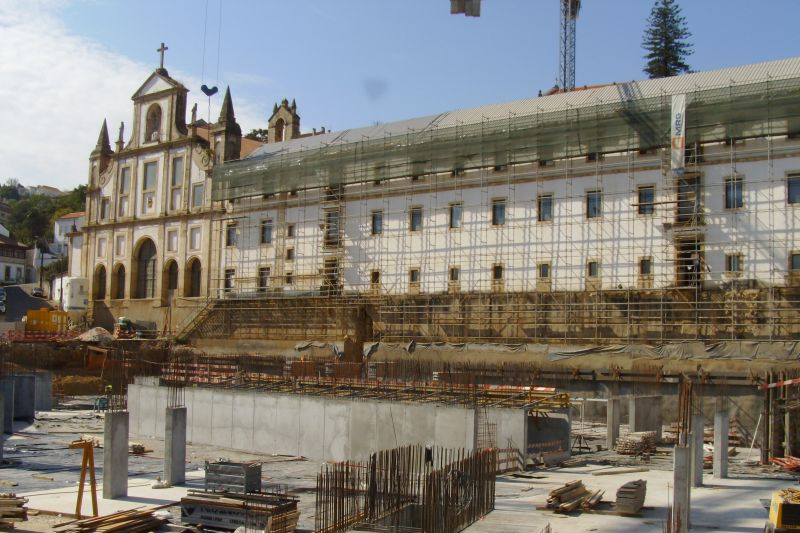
x: 573, y: 496
x: 12, y: 509
x: 273, y: 513
x: 637, y: 443
x: 134, y: 521
x: 630, y: 497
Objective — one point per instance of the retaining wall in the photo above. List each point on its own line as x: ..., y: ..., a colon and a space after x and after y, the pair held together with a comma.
x: 320, y: 428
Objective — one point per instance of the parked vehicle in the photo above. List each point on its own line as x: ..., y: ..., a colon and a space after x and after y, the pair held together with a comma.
x: 38, y: 292
x: 3, y: 307
x: 2, y: 294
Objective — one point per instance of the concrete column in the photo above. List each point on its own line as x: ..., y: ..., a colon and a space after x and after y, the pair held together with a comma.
x: 175, y: 446
x: 2, y: 423
x: 721, y: 429
x: 696, y: 439
x: 612, y: 422
x: 645, y: 414
x: 7, y: 385
x: 681, y: 496
x: 115, y: 455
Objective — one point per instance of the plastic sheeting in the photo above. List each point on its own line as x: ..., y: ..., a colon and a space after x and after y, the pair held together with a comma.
x: 739, y: 350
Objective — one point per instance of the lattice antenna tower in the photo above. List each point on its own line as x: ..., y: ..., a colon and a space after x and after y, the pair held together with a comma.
x: 566, y: 67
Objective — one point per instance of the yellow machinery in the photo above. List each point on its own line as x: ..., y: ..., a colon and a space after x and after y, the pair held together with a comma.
x: 784, y: 511
x: 45, y: 321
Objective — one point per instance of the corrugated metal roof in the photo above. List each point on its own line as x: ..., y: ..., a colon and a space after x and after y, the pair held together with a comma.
x: 616, y: 92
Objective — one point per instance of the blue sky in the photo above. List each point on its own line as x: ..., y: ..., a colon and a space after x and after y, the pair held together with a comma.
x: 348, y: 63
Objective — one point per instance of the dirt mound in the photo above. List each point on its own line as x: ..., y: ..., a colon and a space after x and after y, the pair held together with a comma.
x: 78, y: 385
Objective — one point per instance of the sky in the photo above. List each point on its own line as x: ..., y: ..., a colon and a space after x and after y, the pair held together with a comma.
x: 66, y: 65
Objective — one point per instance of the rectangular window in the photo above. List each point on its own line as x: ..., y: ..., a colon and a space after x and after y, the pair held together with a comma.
x: 794, y: 262
x: 498, y: 212
x: 545, y: 208
x: 289, y: 278
x: 376, y: 227
x: 229, y: 279
x: 125, y: 180
x: 8, y: 273
x: 197, y: 195
x: 290, y: 230
x: 413, y: 275
x: 230, y: 235
x: 101, y: 247
x: 646, y: 266
x: 593, y: 269
x: 194, y: 238
x: 177, y: 172
x: 123, y: 206
x: 119, y: 245
x: 647, y: 198
x: 266, y: 232
x: 733, y: 192
x: 416, y: 218
x: 104, y: 208
x: 594, y: 201
x: 497, y: 272
x: 172, y: 240
x: 290, y: 254
x: 733, y: 263
x: 175, y: 199
x: 455, y: 215
x: 455, y: 273
x: 793, y: 189
x: 150, y: 176
x: 375, y: 277
x: 543, y: 271
x: 263, y: 279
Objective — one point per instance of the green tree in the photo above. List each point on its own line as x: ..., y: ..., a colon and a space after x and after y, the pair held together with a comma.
x: 8, y: 190
x: 665, y: 41
x: 258, y: 134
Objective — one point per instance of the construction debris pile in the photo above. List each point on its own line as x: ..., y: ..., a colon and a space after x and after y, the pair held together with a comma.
x: 123, y: 521
x: 630, y: 497
x: 790, y: 495
x: 789, y: 462
x: 573, y: 496
x: 637, y: 443
x: 12, y: 509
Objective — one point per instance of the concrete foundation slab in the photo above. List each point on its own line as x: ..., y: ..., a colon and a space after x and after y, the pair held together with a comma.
x: 175, y: 445
x: 115, y: 455
x: 721, y: 429
x: 645, y: 414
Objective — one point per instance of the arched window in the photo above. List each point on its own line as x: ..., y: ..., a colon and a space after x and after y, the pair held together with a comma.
x: 280, y: 128
x: 153, y: 123
x: 192, y: 279
x: 118, y: 283
x: 145, y: 270
x: 100, y: 283
x: 172, y: 276
x: 169, y: 281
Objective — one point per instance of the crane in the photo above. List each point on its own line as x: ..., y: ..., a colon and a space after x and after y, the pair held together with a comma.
x: 566, y: 64
x: 569, y: 14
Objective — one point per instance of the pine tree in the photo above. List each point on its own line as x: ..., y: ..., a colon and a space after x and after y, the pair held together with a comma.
x: 665, y: 40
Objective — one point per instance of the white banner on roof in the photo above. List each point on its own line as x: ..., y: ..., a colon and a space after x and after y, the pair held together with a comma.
x: 678, y: 133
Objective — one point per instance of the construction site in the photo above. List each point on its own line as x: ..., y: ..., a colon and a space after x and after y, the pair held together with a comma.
x: 576, y: 312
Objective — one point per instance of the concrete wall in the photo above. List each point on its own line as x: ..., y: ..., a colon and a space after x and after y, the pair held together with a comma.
x: 319, y: 428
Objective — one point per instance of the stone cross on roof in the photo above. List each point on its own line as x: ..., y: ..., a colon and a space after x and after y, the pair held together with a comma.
x: 161, y: 51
